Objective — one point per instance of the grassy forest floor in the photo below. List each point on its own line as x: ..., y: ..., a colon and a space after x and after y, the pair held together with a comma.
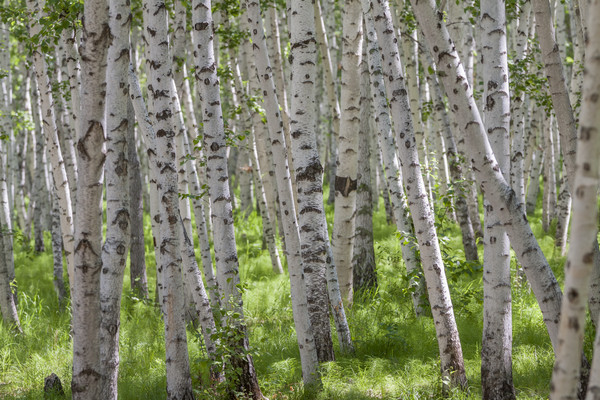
x: 396, y: 354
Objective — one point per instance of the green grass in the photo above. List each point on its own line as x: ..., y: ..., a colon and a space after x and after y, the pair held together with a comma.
x: 396, y: 353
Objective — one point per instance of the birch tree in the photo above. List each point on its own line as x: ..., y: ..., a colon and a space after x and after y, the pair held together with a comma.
x: 501, y: 197
x: 496, y: 346
x: 363, y: 260
x: 452, y: 363
x: 161, y: 89
x: 7, y: 300
x: 118, y: 227
x: 85, y: 296
x: 305, y: 147
x: 220, y: 197
x: 347, y: 163
x: 137, y: 256
x: 52, y: 142
x: 393, y: 175
x: 314, y: 337
x: 584, y: 230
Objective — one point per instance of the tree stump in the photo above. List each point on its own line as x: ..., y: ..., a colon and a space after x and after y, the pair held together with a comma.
x: 52, y: 386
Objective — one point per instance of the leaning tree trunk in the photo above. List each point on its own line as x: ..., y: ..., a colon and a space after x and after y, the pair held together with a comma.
x: 87, y: 370
x: 118, y: 214
x: 519, y: 105
x: 534, y: 182
x: 245, y: 123
x: 496, y: 345
x: 52, y: 144
x: 456, y: 174
x: 452, y: 362
x: 553, y: 68
x: 549, y: 178
x: 192, y: 278
x: 584, y: 230
x: 218, y: 188
x: 500, y: 195
x: 391, y: 167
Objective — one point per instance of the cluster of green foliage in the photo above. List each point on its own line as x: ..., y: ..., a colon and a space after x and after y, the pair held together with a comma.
x: 396, y: 353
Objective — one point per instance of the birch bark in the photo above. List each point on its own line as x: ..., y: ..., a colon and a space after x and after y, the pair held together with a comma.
x: 40, y: 188
x: 57, y: 255
x: 7, y: 300
x: 518, y: 107
x: 584, y: 230
x: 245, y: 123
x: 347, y: 163
x: 363, y: 259
x: 118, y: 212
x: 558, y: 85
x: 534, y: 181
x: 160, y: 90
x: 529, y: 254
x: 87, y: 370
x: 305, y: 253
x: 52, y: 144
x: 391, y: 166
x: 439, y: 295
x: 137, y: 254
x: 549, y: 202
x: 496, y: 346
x: 218, y: 188
x: 456, y: 173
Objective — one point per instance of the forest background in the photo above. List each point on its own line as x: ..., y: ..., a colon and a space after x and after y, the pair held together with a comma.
x: 170, y: 161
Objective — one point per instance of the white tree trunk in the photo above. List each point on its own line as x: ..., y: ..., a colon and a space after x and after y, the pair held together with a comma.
x: 268, y: 228
x: 549, y: 203
x: 519, y: 106
x: 305, y: 257
x: 57, y: 255
x: 161, y: 89
x: 584, y: 230
x: 137, y: 254
x: 534, y: 181
x: 87, y: 369
x: 182, y: 84
x: 118, y: 211
x: 328, y: 61
x: 496, y: 346
x: 39, y: 196
x: 218, y: 188
x: 6, y: 204
x: 391, y: 166
x: 52, y: 145
x: 563, y: 215
x: 439, y: 294
x: 501, y: 197
x: 7, y: 300
x: 363, y: 258
x: 557, y: 83
x: 347, y: 163
x: 259, y: 180
x: 455, y: 170
x: 202, y: 231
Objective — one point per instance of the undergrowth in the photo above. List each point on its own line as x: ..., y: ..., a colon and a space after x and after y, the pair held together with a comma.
x: 396, y: 353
